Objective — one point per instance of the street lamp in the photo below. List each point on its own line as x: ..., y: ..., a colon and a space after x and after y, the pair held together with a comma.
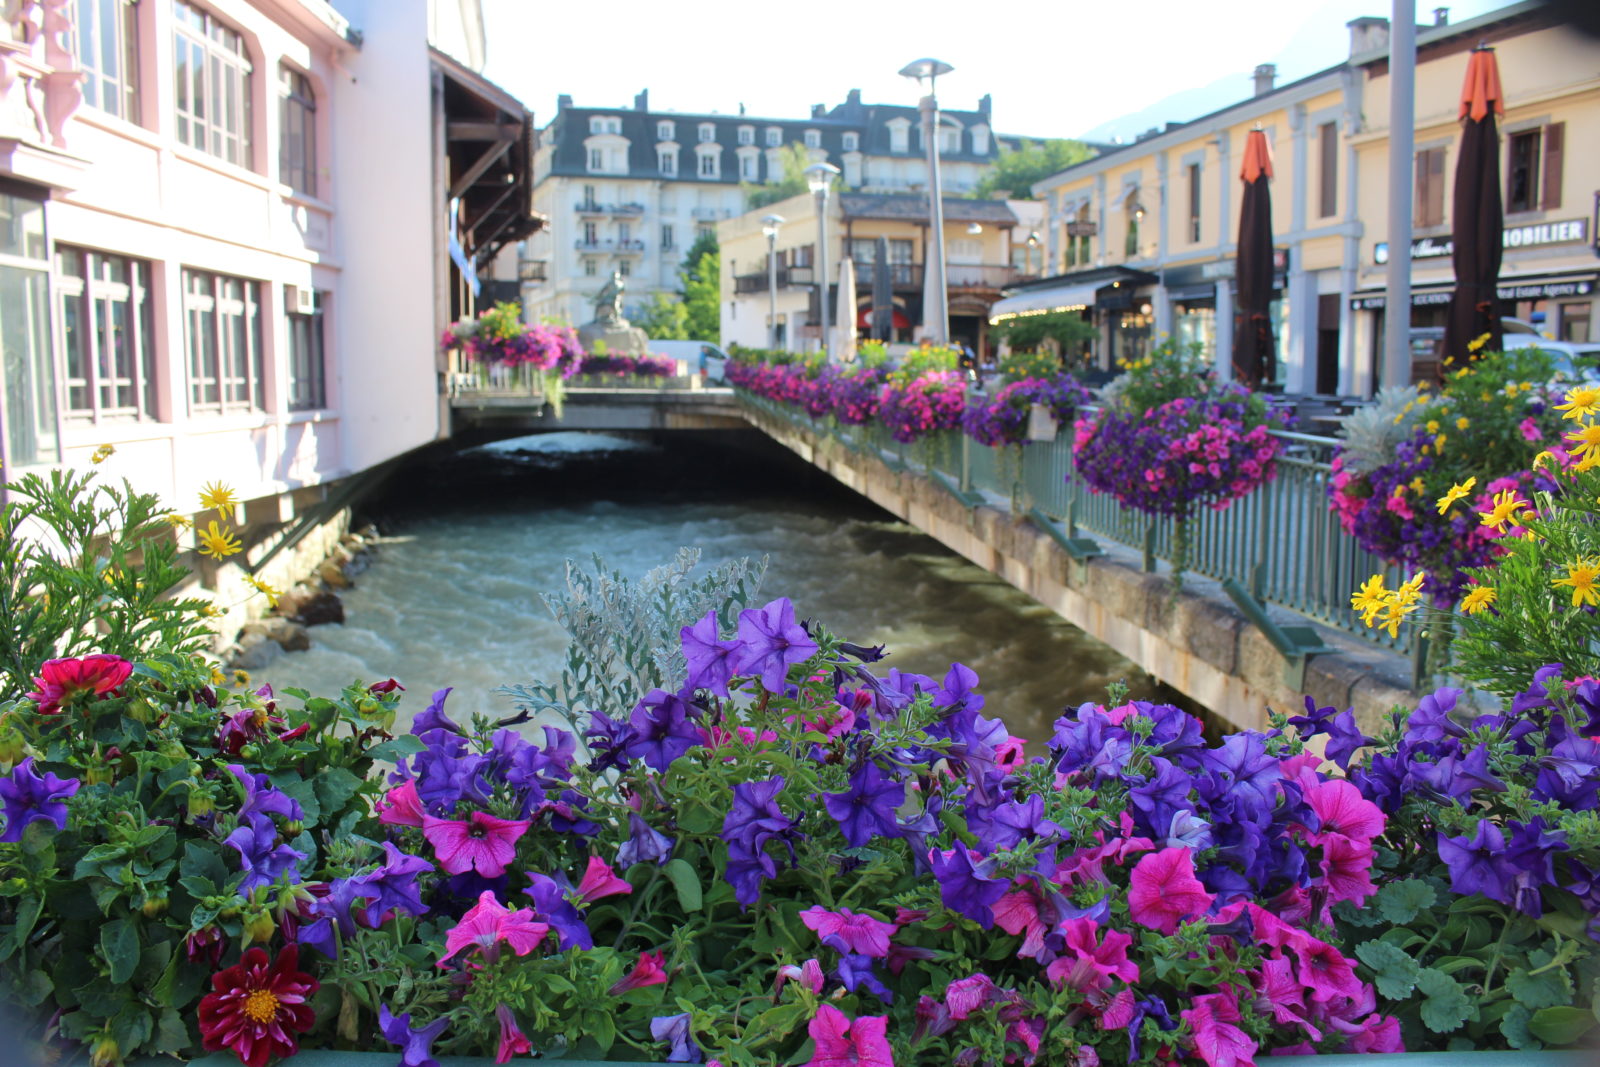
x: 819, y: 178
x: 1033, y: 242
x: 935, y: 293
x: 769, y: 226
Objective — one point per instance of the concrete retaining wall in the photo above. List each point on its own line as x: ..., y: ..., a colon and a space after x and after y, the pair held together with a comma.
x: 1197, y: 641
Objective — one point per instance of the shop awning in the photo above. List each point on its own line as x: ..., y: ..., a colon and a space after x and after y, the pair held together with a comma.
x: 1043, y: 301
x: 864, y: 320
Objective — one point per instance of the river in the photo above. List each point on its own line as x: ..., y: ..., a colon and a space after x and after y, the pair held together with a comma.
x: 474, y: 537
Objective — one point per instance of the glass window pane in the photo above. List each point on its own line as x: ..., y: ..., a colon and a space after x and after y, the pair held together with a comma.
x: 30, y: 410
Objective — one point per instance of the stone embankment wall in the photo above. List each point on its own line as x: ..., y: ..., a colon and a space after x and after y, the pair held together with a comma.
x: 1196, y: 642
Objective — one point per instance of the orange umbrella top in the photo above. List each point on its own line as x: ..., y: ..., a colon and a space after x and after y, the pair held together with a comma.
x: 1481, y: 91
x: 1257, y: 156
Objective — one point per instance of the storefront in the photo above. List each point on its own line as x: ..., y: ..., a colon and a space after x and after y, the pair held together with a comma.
x: 1193, y: 291
x: 1117, y: 300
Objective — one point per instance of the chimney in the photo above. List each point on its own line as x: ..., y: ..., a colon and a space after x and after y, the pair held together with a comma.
x: 642, y: 101
x: 853, y: 98
x: 819, y: 111
x: 1441, y: 16
x: 563, y: 102
x: 1368, y: 34
x: 984, y: 104
x: 1265, y: 75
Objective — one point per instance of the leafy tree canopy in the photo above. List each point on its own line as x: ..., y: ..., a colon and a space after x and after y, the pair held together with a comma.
x: 1018, y: 168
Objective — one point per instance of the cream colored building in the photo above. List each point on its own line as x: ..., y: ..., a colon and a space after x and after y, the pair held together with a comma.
x: 1142, y: 238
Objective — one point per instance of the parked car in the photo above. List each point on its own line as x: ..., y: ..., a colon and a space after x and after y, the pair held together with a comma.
x: 700, y: 357
x: 1574, y: 361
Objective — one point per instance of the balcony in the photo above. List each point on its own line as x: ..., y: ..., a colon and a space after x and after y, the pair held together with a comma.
x: 787, y: 276
x: 705, y: 213
x: 630, y: 210
x: 593, y: 209
x: 980, y: 275
x: 626, y: 248
x: 533, y: 271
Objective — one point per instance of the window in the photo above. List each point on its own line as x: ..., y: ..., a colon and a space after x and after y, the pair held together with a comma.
x: 591, y: 233
x: 1554, y: 142
x: 666, y: 237
x: 308, y: 374
x: 106, y: 336
x: 604, y: 124
x: 705, y: 229
x: 597, y: 159
x: 747, y: 168
x: 213, y: 85
x: 747, y: 135
x: 900, y: 135
x: 813, y: 139
x: 1429, y: 210
x: 625, y: 267
x: 980, y: 140
x: 668, y: 161
x: 1522, y: 172
x: 1194, y: 203
x: 589, y: 197
x: 852, y: 142
x: 590, y: 268
x: 1069, y: 258
x: 708, y: 133
x: 297, y: 149
x: 105, y: 40
x: 27, y: 381
x: 222, y: 336
x: 664, y: 131
x: 774, y: 137
x: 624, y: 232
x: 949, y: 138
x: 708, y: 165
x: 1131, y: 245
x: 1575, y: 320
x: 1328, y: 157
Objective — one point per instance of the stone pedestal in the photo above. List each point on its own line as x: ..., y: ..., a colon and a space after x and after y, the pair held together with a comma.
x: 621, y: 339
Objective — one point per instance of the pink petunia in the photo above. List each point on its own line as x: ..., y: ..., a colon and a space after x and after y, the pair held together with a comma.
x: 857, y: 933
x: 967, y: 995
x: 1341, y: 809
x: 483, y: 842
x: 61, y: 680
x: 1381, y: 1033
x: 1091, y: 966
x: 1280, y: 995
x: 487, y: 923
x: 1346, y: 869
x: 512, y: 1040
x: 1325, y: 971
x: 1217, y: 1041
x: 1163, y: 890
x: 843, y: 1043
x: 599, y: 880
x: 1118, y: 1015
x: 1018, y: 913
x: 401, y: 806
x: 808, y: 974
x: 648, y: 971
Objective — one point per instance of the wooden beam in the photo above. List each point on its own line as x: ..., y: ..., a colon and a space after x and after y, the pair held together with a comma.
x: 462, y: 130
x: 486, y: 212
x: 485, y: 161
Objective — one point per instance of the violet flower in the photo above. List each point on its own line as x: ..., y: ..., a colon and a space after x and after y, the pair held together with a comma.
x: 550, y: 906
x: 674, y: 1029
x: 262, y: 799
x: 966, y: 888
x: 1477, y: 864
x: 772, y: 642
x: 264, y: 860
x: 32, y: 797
x: 711, y: 661
x: 416, y: 1045
x: 394, y: 885
x: 434, y: 718
x: 661, y: 730
x: 643, y: 845
x: 868, y: 807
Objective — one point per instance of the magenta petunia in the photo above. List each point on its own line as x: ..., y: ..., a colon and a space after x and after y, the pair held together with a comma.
x: 401, y: 806
x: 599, y: 880
x: 1163, y: 890
x: 967, y: 995
x: 483, y: 842
x: 1346, y: 869
x: 1217, y: 1040
x: 841, y: 1042
x: 1087, y: 965
x: 648, y: 971
x: 60, y: 681
x: 487, y: 923
x: 1341, y: 809
x: 849, y: 932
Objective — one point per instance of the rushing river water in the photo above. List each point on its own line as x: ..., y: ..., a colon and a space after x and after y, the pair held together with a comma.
x: 473, y: 539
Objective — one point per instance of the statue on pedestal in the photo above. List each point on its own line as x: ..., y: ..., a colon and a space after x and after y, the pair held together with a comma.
x: 620, y: 337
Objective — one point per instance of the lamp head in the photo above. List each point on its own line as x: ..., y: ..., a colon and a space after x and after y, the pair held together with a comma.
x: 819, y: 176
x: 1033, y: 239
x: 770, y: 225
x: 974, y: 229
x: 925, y: 68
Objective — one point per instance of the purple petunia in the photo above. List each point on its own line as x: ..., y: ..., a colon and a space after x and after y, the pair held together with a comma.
x: 434, y: 718
x: 32, y: 797
x: 661, y: 729
x: 394, y: 885
x: 262, y: 799
x: 416, y: 1045
x: 263, y: 859
x: 674, y: 1029
x: 643, y: 845
x: 773, y: 642
x: 1477, y: 864
x: 550, y: 905
x: 711, y: 661
x: 968, y: 888
x: 868, y: 807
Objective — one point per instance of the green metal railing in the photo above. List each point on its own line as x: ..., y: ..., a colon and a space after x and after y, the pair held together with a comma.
x: 1280, y: 544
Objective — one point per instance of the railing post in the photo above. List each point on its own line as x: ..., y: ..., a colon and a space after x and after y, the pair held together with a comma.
x: 1150, y: 546
x: 966, y: 463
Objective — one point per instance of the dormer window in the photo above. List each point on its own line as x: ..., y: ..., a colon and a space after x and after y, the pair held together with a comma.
x: 949, y: 138
x: 813, y: 138
x: 852, y: 142
x: 667, y: 159
x: 899, y: 135
x: 774, y: 136
x: 665, y: 131
x: 708, y: 132
x: 604, y: 124
x: 747, y: 135
x: 980, y: 140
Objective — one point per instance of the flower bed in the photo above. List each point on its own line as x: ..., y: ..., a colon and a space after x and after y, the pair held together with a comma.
x: 596, y: 365
x: 500, y: 337
x: 1003, y: 419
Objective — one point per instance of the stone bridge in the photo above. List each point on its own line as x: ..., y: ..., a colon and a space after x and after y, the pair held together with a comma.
x: 1216, y: 645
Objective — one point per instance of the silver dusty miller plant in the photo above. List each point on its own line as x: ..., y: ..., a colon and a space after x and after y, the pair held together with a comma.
x: 624, y: 635
x: 1372, y: 433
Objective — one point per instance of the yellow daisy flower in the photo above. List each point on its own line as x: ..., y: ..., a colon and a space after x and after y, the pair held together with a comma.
x: 219, y: 496
x: 1586, y: 438
x: 1457, y: 492
x: 1394, y: 613
x: 1478, y: 599
x: 1433, y: 425
x: 1370, y: 598
x: 1463, y: 422
x: 1581, y: 401
x: 103, y: 453
x: 266, y: 590
x: 1505, y: 510
x: 1417, y: 484
x: 1543, y: 458
x: 217, y: 542
x: 1477, y: 343
x: 1583, y: 575
x: 1438, y: 442
x: 177, y: 521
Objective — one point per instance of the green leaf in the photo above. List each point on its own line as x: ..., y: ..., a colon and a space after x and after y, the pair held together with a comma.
x: 1447, y: 1005
x: 119, y: 943
x: 1399, y: 902
x: 1560, y: 1025
x: 1544, y: 990
x: 699, y: 819
x: 1515, y: 1028
x: 397, y: 748
x: 306, y: 793
x: 1395, y: 973
x: 335, y: 786
x: 34, y: 988
x: 27, y: 915
x: 172, y: 1036
x: 686, y: 882
x: 201, y: 862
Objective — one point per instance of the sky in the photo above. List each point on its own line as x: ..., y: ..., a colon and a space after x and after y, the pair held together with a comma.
x: 1054, y: 68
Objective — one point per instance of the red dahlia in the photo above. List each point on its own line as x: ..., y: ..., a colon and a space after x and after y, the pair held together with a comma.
x: 61, y: 680
x: 255, y: 1009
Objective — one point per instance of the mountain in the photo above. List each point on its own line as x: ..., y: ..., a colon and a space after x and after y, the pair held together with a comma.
x: 1179, y: 107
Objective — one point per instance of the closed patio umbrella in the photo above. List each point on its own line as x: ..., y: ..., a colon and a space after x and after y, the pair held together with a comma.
x: 883, y: 324
x: 1477, y: 214
x: 845, y: 349
x: 1253, y: 355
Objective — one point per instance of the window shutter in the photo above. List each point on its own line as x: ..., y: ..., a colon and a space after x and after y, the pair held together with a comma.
x: 1553, y: 138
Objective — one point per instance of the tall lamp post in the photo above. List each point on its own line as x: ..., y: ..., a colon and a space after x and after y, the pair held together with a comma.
x: 936, y: 294
x: 819, y: 178
x: 769, y: 226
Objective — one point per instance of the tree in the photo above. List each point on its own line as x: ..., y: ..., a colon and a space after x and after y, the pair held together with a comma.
x: 1018, y: 168
x: 795, y: 161
x: 1024, y: 333
x: 701, y: 278
x: 664, y: 318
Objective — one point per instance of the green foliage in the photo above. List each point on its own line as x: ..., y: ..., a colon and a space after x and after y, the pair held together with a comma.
x: 501, y: 322
x: 1067, y: 330
x: 701, y: 279
x: 1018, y: 168
x: 795, y: 159
x: 664, y: 318
x: 919, y: 361
x: 625, y: 635
x: 1017, y: 365
x: 87, y: 567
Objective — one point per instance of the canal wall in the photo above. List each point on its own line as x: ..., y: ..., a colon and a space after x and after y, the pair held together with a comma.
x: 1195, y: 641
